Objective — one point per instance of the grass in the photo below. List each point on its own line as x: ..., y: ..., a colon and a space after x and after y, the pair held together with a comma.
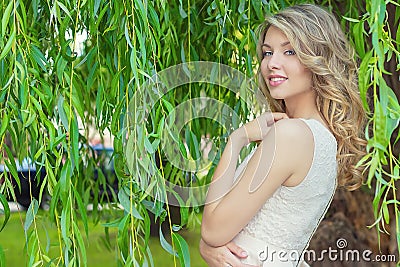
x: 12, y: 241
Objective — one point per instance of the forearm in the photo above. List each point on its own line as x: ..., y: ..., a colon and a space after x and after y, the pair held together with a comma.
x: 223, y: 177
x: 222, y: 182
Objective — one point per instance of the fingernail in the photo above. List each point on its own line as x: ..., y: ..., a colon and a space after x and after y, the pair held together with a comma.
x: 244, y: 253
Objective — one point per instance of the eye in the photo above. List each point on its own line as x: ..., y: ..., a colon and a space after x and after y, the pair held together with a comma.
x: 267, y: 53
x: 290, y: 52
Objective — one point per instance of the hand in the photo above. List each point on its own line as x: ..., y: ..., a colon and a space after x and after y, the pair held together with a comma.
x: 224, y: 255
x: 257, y: 129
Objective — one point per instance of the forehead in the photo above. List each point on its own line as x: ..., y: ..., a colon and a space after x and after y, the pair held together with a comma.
x: 275, y: 36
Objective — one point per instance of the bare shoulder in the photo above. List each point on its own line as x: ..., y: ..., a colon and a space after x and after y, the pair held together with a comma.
x: 294, y: 148
x: 292, y: 131
x: 293, y: 140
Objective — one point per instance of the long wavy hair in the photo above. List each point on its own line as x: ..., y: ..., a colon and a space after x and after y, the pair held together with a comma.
x: 322, y: 47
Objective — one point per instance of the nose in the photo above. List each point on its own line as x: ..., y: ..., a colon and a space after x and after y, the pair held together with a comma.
x: 273, y: 62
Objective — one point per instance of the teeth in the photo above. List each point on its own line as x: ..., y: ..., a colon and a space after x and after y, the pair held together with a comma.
x: 275, y: 79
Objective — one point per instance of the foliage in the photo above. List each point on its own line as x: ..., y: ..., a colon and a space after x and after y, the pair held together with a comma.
x: 380, y: 93
x: 55, y: 86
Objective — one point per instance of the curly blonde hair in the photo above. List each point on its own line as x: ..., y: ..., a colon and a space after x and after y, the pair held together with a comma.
x: 322, y: 47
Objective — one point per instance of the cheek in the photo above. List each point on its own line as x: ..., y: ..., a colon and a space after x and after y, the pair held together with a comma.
x: 308, y: 76
x: 304, y: 72
x: 264, y: 68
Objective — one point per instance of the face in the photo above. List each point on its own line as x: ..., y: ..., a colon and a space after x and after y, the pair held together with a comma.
x: 281, y: 69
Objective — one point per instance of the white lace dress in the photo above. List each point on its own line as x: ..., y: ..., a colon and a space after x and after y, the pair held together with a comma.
x: 281, y: 230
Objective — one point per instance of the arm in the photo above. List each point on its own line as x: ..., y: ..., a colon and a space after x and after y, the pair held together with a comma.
x: 278, y: 157
x: 220, y: 256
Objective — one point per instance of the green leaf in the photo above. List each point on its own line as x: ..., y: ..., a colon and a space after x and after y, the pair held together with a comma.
x: 30, y: 214
x: 182, y: 12
x: 38, y: 57
x: 385, y: 211
x: 182, y: 249
x: 6, y: 18
x: 165, y: 245
x: 65, y: 179
x: 74, y: 136
x: 61, y: 112
x: 11, y: 167
x: 148, y: 145
x: 8, y: 45
x: 6, y: 210
x: 81, y: 244
x: 2, y: 258
x: 82, y: 210
x: 193, y: 144
x: 351, y: 19
x: 63, y: 7
x: 4, y: 123
x: 128, y: 204
x: 65, y: 49
x: 66, y: 222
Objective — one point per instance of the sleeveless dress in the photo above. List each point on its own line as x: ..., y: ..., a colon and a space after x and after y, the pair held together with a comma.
x: 280, y: 232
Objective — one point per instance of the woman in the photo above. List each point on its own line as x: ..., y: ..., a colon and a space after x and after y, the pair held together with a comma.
x: 269, y: 207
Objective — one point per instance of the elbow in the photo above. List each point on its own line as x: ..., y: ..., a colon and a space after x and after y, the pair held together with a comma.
x: 212, y: 236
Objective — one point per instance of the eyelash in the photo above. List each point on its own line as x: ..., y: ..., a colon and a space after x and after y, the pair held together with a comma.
x: 287, y: 52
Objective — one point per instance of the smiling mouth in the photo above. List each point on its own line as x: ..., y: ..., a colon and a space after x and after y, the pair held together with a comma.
x: 277, y: 79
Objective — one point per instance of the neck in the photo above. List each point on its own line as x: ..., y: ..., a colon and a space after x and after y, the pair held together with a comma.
x: 302, y: 106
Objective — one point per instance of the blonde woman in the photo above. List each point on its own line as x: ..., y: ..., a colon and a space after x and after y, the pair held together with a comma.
x: 264, y: 212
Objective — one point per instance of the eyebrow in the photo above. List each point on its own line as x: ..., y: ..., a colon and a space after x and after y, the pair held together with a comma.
x: 282, y: 44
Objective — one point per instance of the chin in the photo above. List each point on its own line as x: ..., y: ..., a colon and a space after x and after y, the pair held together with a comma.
x: 277, y: 97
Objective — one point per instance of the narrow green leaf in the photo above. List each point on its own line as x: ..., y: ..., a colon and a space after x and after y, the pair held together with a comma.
x: 8, y: 45
x: 128, y: 204
x: 167, y: 105
x: 65, y: 49
x: 11, y: 167
x: 4, y: 123
x: 38, y: 57
x: 148, y: 145
x: 6, y: 18
x: 123, y: 232
x: 65, y: 178
x: 74, y: 136
x: 35, y: 9
x: 351, y: 19
x: 96, y: 7
x: 385, y: 211
x: 82, y: 211
x: 142, y: 10
x: 63, y: 7
x: 66, y: 222
x: 182, y: 12
x: 2, y: 258
x: 81, y: 244
x: 6, y: 210
x: 61, y: 64
x: 127, y: 37
x: 165, y: 245
x: 61, y: 112
x: 30, y: 214
x: 182, y: 249
x: 114, y: 223
x: 398, y: 228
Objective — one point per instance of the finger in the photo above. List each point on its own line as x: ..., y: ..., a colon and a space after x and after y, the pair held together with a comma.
x: 280, y: 115
x: 236, y: 250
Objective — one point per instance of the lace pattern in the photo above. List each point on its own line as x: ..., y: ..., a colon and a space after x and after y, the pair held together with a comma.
x: 288, y: 219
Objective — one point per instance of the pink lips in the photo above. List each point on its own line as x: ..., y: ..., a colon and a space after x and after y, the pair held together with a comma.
x: 275, y: 80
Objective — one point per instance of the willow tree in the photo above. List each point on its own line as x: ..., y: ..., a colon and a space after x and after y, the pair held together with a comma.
x: 69, y: 66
